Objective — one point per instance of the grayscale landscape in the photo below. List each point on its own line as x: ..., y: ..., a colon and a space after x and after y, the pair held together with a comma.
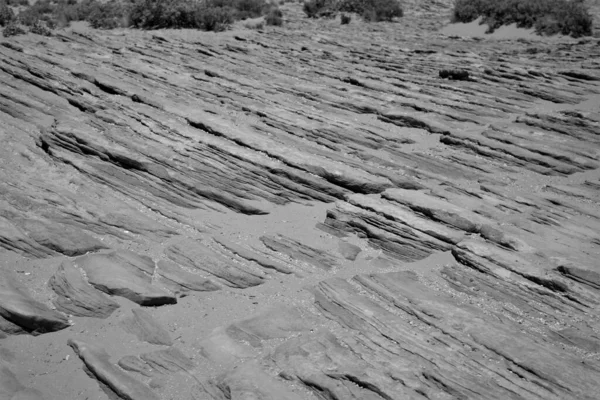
x: 404, y: 209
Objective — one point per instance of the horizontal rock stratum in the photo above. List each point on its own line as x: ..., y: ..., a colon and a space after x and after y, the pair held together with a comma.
x: 299, y: 212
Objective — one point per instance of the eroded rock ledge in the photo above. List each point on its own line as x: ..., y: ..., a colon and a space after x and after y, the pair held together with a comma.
x: 304, y: 212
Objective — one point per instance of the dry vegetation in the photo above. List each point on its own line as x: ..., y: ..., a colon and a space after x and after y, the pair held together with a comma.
x: 209, y: 15
x: 567, y: 17
x: 370, y: 10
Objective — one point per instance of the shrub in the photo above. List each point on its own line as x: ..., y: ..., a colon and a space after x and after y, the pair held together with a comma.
x: 569, y: 17
x: 216, y: 19
x: 13, y: 29
x: 41, y: 28
x: 318, y: 8
x: 108, y: 15
x: 6, y: 14
x: 40, y: 11
x: 17, y: 3
x: 381, y: 10
x: 211, y: 15
x: 345, y: 19
x: 243, y: 9
x: 274, y: 17
x: 156, y: 14
x: 370, y: 10
x: 215, y: 15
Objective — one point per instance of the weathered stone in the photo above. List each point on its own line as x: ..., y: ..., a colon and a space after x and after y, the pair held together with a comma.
x: 299, y: 251
x: 97, y: 361
x: 349, y: 251
x: 246, y: 381
x: 475, y: 205
x: 195, y: 255
x: 168, y: 361
x: 252, y: 256
x: 181, y: 280
x: 75, y: 296
x: 61, y: 238
x: 124, y: 274
x: 19, y: 308
x: 146, y: 328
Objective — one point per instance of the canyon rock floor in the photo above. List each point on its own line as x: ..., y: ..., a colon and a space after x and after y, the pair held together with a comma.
x: 303, y: 212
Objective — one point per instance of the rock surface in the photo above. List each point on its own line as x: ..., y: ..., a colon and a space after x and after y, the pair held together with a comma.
x: 77, y: 297
x: 306, y: 211
x: 97, y: 361
x: 125, y: 274
x: 18, y: 308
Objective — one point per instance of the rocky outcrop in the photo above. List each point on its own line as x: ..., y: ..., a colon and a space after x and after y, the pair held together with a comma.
x: 250, y: 255
x: 197, y: 256
x: 18, y: 308
x: 351, y: 227
x: 125, y: 274
x: 77, y: 297
x: 97, y: 361
x: 157, y: 363
x: 300, y: 252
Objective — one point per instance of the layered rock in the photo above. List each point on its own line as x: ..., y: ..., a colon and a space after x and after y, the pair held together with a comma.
x: 352, y: 227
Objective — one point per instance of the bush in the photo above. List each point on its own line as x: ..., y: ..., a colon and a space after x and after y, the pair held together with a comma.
x: 41, y: 11
x: 243, y: 9
x: 210, y: 15
x: 156, y: 14
x: 319, y: 8
x: 274, y: 17
x: 6, y: 14
x: 214, y: 15
x: 108, y: 15
x: 345, y: 19
x: 17, y: 3
x: 215, y: 19
x: 13, y: 29
x: 40, y: 28
x: 568, y: 17
x: 381, y: 10
x: 370, y: 10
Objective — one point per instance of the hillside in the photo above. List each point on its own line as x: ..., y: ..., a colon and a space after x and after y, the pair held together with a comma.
x: 299, y: 212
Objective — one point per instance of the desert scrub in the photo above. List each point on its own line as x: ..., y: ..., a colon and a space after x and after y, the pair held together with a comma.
x: 345, y: 19
x: 369, y: 10
x: 41, y: 28
x: 6, y: 14
x: 568, y: 17
x: 274, y: 17
x: 318, y: 8
x: 18, y: 3
x: 13, y: 29
x: 210, y: 15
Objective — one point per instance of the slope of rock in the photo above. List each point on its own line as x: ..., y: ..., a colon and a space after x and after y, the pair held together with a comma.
x: 299, y: 212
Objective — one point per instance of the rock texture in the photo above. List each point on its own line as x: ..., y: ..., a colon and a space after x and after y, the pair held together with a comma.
x: 20, y: 311
x: 125, y: 274
x: 301, y: 212
x: 97, y: 361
